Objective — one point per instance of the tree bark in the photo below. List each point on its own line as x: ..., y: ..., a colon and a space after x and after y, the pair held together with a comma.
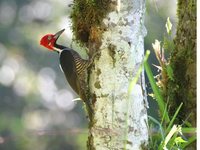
x: 183, y: 62
x: 115, y: 29
x: 120, y: 119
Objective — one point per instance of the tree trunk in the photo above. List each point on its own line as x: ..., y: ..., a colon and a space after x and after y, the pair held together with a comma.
x: 116, y: 30
x: 183, y: 62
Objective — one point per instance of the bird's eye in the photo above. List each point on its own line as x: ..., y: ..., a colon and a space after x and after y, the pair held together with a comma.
x: 49, y: 37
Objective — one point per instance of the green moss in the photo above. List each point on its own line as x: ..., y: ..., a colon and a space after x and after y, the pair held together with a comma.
x: 112, y: 52
x: 98, y: 71
x: 87, y: 16
x: 183, y: 62
x: 90, y: 143
x: 97, y: 85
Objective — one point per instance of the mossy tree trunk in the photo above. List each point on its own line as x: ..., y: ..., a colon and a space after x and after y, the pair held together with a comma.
x: 115, y: 29
x: 183, y: 62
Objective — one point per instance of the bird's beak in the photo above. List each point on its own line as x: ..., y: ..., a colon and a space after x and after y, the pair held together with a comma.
x: 56, y: 36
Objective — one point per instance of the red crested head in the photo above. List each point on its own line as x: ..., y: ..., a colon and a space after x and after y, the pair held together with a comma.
x: 49, y: 40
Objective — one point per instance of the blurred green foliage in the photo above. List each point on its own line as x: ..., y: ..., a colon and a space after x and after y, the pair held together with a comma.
x: 36, y: 107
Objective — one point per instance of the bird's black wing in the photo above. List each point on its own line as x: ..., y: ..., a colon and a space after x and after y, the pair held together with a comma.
x: 69, y: 68
x: 74, y: 68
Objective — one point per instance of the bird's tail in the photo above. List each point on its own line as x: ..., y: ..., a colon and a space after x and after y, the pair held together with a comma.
x: 88, y: 104
x: 89, y: 109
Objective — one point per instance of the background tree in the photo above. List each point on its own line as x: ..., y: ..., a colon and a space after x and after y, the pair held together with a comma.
x: 182, y: 89
x: 183, y: 62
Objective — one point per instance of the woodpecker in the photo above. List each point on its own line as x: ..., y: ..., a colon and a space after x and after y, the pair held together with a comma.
x: 74, y: 67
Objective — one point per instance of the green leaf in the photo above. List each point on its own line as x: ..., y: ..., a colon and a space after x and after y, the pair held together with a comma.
x: 135, y: 79
x: 160, y: 126
x: 179, y: 140
x: 174, y: 117
x: 168, y: 26
x: 190, y: 140
x: 171, y: 136
x: 130, y: 89
x: 156, y: 90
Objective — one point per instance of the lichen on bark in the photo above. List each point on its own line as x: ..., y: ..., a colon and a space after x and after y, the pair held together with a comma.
x: 120, y: 118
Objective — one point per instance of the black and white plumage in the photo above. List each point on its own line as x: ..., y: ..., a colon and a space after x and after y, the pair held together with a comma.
x: 74, y: 67
x: 75, y: 70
